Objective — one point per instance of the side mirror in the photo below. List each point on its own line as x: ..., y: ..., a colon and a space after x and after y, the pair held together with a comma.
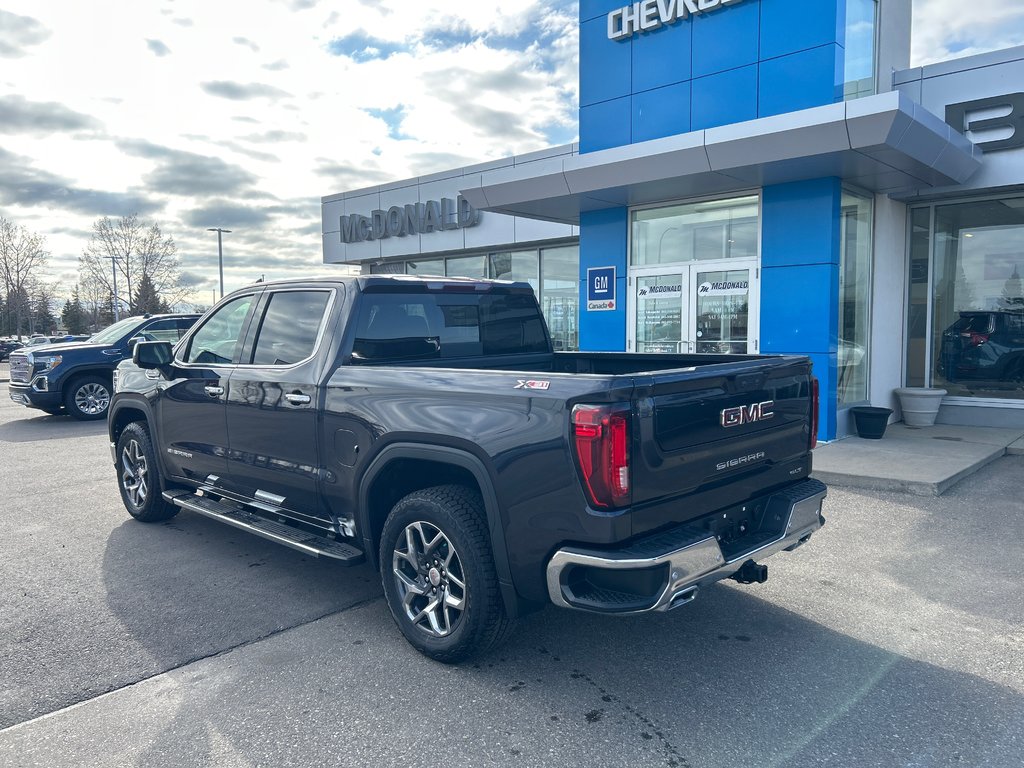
x: 152, y: 354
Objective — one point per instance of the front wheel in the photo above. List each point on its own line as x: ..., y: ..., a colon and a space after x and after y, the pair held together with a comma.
x: 438, y: 574
x: 88, y: 398
x: 138, y: 476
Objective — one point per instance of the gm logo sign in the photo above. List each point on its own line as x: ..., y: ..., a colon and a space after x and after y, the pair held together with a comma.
x: 995, y: 113
x: 748, y: 414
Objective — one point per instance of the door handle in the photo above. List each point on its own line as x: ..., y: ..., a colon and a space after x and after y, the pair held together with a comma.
x: 214, y: 391
x: 297, y: 399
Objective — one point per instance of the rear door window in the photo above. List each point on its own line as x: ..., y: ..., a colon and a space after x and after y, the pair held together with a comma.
x: 163, y: 330
x: 290, y: 327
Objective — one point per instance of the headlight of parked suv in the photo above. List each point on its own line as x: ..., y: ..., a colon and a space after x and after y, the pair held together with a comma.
x: 48, y: 363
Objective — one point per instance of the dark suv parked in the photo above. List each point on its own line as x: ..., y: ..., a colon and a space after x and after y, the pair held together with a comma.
x: 984, y: 345
x: 78, y: 375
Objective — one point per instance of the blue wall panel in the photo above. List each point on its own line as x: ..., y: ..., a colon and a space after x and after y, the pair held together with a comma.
x: 605, y: 65
x: 800, y: 223
x: 728, y: 97
x: 590, y: 9
x: 788, y: 26
x: 800, y: 250
x: 661, y: 112
x: 662, y: 57
x: 801, y: 80
x: 603, y: 243
x: 726, y: 39
x: 604, y: 125
x: 799, y: 309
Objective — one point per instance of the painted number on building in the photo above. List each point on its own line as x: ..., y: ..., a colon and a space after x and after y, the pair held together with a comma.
x: 649, y: 15
x: 600, y: 289
x: 988, y: 117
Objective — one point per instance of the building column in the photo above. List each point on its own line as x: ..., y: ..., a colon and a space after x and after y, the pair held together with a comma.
x: 800, y: 253
x: 604, y: 242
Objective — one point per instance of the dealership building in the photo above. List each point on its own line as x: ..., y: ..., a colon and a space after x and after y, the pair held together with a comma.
x: 754, y: 176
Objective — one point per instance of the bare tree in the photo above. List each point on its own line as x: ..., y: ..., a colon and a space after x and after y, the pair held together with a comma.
x: 22, y: 258
x: 132, y: 249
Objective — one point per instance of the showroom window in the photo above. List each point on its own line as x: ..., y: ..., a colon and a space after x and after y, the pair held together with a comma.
x: 703, y: 231
x: 856, y: 233
x: 861, y: 28
x: 966, y: 275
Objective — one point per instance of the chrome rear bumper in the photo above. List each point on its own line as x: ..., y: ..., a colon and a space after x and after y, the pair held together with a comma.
x: 681, y: 560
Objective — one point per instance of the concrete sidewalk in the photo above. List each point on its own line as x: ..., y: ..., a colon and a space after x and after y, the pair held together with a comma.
x: 924, y: 461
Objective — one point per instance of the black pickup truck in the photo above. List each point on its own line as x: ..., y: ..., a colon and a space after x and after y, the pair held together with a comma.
x: 426, y: 426
x: 76, y: 376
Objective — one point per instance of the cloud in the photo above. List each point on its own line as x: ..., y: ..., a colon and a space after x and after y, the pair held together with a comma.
x: 274, y: 137
x: 225, y: 213
x: 195, y: 280
x: 247, y: 43
x: 23, y: 185
x: 276, y: 66
x: 187, y: 173
x: 157, y: 47
x: 361, y: 47
x: 18, y: 33
x: 19, y: 115
x: 346, y: 176
x: 942, y: 28
x: 242, y: 91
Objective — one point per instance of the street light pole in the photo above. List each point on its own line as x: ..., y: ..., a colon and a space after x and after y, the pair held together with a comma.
x: 220, y: 254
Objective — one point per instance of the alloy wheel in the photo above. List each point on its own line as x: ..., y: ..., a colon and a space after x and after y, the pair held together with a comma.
x: 430, y: 579
x: 134, y: 473
x: 92, y: 399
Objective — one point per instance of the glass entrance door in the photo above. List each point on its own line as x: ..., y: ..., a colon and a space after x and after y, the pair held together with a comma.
x: 703, y: 308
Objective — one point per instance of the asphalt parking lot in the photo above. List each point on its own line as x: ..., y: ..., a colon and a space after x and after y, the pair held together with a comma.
x: 895, y: 638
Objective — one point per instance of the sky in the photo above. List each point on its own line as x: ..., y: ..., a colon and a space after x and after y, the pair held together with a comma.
x: 197, y: 114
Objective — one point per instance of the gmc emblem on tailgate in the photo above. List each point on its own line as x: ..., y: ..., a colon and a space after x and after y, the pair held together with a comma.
x: 748, y: 414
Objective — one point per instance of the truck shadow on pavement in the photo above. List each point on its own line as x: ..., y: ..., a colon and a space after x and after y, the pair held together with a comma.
x: 34, y: 428
x: 730, y: 679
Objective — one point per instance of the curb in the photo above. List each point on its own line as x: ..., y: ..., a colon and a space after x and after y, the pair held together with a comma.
x: 913, y: 487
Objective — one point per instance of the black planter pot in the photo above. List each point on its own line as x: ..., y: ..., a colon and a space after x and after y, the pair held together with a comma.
x: 871, y: 422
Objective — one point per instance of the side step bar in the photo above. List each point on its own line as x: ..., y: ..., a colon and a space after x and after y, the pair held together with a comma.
x: 311, y: 544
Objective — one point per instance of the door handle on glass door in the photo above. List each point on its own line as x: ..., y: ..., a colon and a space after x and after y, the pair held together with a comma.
x: 297, y: 399
x: 214, y: 391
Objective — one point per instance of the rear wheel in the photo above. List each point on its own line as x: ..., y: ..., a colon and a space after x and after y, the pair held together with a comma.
x: 438, y: 574
x: 138, y: 476
x: 88, y: 398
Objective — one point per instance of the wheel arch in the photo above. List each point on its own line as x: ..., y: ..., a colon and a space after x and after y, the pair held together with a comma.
x: 126, y: 410
x: 402, y: 468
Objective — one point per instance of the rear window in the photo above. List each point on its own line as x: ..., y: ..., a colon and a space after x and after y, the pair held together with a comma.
x: 439, y: 326
x: 978, y: 323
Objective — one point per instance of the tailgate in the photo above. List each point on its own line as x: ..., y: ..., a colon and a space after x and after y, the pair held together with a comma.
x: 716, y: 433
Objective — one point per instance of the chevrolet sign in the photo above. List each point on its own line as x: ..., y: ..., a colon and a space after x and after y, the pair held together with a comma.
x: 649, y: 15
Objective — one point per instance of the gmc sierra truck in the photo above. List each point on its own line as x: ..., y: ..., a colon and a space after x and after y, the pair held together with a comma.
x: 76, y: 376
x: 426, y: 426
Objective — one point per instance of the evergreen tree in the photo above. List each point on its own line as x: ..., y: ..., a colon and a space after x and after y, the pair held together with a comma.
x: 1013, y: 292
x: 146, y: 300
x: 74, y: 316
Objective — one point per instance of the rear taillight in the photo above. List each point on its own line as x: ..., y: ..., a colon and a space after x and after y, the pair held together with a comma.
x: 975, y: 339
x: 814, y: 412
x: 600, y: 437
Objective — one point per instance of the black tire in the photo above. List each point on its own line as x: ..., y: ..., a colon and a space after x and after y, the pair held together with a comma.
x: 138, y: 476
x: 451, y: 517
x: 88, y: 398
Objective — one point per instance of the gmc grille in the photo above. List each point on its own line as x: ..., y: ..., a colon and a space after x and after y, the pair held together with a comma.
x: 21, y: 371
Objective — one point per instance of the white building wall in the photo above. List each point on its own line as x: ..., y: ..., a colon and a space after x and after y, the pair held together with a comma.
x: 494, y: 230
